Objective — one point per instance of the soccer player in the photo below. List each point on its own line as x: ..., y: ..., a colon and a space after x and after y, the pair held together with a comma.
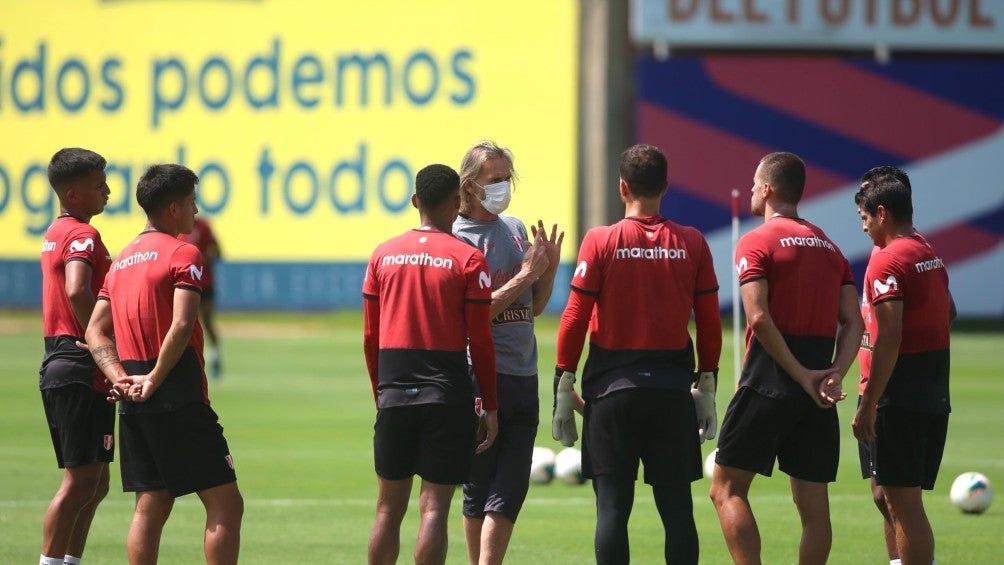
x: 426, y: 295
x: 522, y: 280
x: 202, y: 236
x: 800, y: 301
x: 146, y: 337
x: 902, y: 416
x: 74, y: 262
x: 864, y: 360
x: 635, y: 286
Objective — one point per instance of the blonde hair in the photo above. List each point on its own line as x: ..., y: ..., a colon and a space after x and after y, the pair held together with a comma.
x: 474, y: 160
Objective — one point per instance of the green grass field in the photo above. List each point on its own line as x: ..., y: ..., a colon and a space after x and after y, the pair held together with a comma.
x: 296, y: 404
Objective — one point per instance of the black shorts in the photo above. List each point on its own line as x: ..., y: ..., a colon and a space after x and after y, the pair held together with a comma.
x: 433, y: 441
x: 803, y: 438
x: 182, y: 451
x: 81, y: 424
x: 657, y: 427
x: 908, y: 447
x: 500, y: 477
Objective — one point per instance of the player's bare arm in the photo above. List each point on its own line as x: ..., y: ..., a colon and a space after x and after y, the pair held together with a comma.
x: 78, y: 290
x: 186, y: 312
x: 101, y: 344
x: 754, y: 295
x: 848, y: 340
x: 885, y: 352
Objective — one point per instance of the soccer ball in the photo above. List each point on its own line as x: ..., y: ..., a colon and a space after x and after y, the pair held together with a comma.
x: 542, y: 465
x: 568, y: 466
x: 709, y: 464
x: 971, y: 493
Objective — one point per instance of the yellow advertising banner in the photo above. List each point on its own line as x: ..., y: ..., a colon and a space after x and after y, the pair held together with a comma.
x: 305, y: 121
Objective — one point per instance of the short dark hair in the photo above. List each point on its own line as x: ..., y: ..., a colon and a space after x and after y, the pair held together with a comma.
x: 162, y: 185
x: 877, y: 173
x: 786, y: 174
x: 643, y: 168
x: 72, y: 163
x: 891, y: 193
x: 435, y: 184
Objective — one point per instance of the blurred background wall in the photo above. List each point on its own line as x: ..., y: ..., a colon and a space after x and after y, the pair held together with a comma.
x: 307, y: 121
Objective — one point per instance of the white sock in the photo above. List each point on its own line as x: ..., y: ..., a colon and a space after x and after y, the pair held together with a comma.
x: 43, y: 560
x: 71, y: 560
x: 896, y: 562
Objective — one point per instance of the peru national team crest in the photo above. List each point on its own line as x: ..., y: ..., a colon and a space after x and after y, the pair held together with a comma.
x: 108, y: 441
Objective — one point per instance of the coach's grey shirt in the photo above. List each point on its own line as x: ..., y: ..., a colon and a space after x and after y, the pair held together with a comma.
x: 504, y: 241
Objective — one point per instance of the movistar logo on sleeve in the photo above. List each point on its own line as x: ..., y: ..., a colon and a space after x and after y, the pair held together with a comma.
x: 484, y: 281
x: 580, y: 270
x: 77, y: 246
x: 195, y: 271
x: 890, y: 283
x: 742, y: 265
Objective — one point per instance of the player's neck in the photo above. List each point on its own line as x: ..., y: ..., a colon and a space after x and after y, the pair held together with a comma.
x: 478, y: 213
x: 779, y: 210
x: 641, y: 208
x: 895, y: 233
x: 153, y: 224
x: 435, y: 222
x: 65, y: 213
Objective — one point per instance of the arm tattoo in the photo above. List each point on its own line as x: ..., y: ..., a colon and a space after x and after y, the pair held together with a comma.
x: 105, y: 355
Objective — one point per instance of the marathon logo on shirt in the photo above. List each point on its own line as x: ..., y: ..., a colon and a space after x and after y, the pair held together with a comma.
x: 134, y: 259
x: 657, y: 252
x: 48, y: 246
x: 813, y: 241
x: 419, y: 259
x: 929, y: 265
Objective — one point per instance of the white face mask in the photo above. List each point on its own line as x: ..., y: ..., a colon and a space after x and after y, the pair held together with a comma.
x: 497, y: 196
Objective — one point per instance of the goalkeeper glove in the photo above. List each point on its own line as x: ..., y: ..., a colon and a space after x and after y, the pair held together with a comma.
x: 563, y: 418
x: 704, y: 403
